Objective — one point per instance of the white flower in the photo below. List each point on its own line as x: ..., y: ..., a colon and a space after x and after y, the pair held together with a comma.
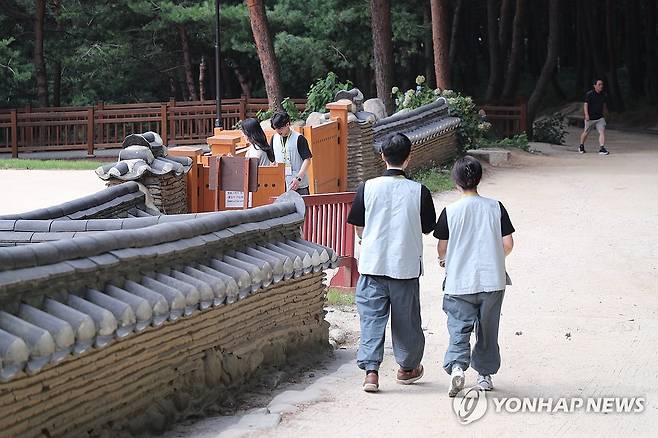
x: 409, y: 93
x: 420, y: 80
x: 395, y: 90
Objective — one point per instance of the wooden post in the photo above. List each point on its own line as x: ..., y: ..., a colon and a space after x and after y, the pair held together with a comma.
x: 245, y: 183
x: 194, y: 176
x: 90, y: 132
x: 171, y: 123
x: 243, y: 107
x: 14, y: 134
x: 523, y: 119
x: 164, y: 132
x: 224, y: 142
x: 338, y: 111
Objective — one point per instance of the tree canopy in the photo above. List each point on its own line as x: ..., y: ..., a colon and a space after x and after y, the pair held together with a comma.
x: 152, y: 50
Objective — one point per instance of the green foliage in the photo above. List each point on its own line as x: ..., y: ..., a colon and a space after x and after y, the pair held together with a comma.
x: 288, y: 105
x: 435, y: 179
x: 551, y: 129
x: 30, y: 164
x: 323, y: 91
x: 412, y: 99
x: 518, y: 141
x: 472, y: 128
x: 14, y: 73
x: 338, y: 298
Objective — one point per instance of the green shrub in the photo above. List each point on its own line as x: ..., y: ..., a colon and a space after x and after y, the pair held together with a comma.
x: 412, y: 99
x: 472, y: 129
x: 434, y: 178
x: 518, y: 141
x: 551, y: 129
x: 288, y: 105
x: 323, y: 92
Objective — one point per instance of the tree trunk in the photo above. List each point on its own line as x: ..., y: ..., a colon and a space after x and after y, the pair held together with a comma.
x: 57, y: 64
x: 493, y: 86
x: 245, y: 84
x: 440, y: 42
x: 615, y: 91
x: 650, y: 77
x: 202, y: 78
x: 516, y: 53
x: 456, y: 17
x: 39, y: 60
x: 265, y: 48
x: 172, y: 88
x: 505, y: 31
x: 382, y: 39
x: 428, y: 55
x: 548, y: 70
x: 633, y: 48
x: 187, y: 63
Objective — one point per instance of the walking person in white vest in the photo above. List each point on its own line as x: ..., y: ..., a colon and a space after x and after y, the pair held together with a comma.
x: 291, y: 148
x: 391, y: 213
x: 475, y: 236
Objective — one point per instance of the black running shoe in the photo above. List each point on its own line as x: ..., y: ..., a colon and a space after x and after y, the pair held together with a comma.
x: 603, y: 151
x: 581, y: 149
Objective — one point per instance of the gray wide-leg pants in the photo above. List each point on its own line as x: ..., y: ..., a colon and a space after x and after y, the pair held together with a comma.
x: 482, y: 311
x: 376, y: 297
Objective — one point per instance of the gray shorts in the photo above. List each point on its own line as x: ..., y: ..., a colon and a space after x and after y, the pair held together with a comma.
x: 598, y: 123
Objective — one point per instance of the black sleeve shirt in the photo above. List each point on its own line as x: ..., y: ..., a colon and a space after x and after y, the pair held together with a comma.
x: 357, y: 215
x: 441, y: 231
x: 302, y: 146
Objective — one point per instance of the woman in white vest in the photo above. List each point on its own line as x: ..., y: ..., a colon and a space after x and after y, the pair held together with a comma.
x: 475, y: 236
x: 291, y: 148
x: 258, y: 145
x: 391, y: 213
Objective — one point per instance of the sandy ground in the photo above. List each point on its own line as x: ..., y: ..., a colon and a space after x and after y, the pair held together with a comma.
x: 25, y: 190
x: 579, y: 321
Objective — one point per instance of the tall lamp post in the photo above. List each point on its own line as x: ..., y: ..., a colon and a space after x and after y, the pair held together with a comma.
x: 218, y: 94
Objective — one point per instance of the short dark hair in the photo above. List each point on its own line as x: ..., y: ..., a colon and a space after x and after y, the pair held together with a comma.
x: 596, y: 80
x: 467, y: 172
x: 396, y: 149
x: 279, y: 120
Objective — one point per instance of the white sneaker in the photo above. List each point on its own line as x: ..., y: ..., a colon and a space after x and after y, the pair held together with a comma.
x: 485, y: 383
x: 456, y: 381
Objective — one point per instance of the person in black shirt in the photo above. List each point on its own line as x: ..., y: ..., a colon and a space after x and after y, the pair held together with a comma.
x: 595, y: 107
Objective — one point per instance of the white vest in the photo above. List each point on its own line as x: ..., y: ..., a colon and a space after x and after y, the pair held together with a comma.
x: 475, y: 260
x: 392, y: 242
x: 294, y: 159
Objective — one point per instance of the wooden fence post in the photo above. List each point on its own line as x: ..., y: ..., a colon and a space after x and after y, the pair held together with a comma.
x: 90, y: 132
x: 522, y: 119
x: 338, y: 111
x: 170, y: 137
x: 243, y: 107
x: 164, y: 131
x: 14, y: 134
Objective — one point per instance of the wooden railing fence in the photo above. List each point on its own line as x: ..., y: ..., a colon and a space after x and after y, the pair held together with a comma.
x: 506, y: 121
x: 105, y: 126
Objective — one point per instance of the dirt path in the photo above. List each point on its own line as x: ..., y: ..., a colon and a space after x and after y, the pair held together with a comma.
x: 585, y: 264
x: 580, y: 320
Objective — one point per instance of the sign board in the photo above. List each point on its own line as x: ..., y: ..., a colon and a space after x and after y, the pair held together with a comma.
x: 236, y: 199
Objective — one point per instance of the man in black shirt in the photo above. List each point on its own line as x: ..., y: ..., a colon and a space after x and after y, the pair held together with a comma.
x: 595, y: 107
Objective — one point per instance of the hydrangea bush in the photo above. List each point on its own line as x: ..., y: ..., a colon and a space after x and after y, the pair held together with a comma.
x: 472, y: 128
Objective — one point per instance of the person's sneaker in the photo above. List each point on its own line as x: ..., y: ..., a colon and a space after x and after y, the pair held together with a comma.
x: 456, y: 381
x: 581, y: 148
x: 409, y: 377
x: 603, y: 151
x: 485, y: 383
x: 371, y: 382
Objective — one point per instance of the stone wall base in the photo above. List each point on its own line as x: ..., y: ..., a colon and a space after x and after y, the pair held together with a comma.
x: 148, y: 381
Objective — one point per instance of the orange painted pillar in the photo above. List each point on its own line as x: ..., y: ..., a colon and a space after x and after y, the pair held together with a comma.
x: 338, y: 111
x: 194, y: 176
x: 224, y: 142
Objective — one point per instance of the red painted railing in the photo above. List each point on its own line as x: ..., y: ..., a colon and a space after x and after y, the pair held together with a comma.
x: 326, y: 224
